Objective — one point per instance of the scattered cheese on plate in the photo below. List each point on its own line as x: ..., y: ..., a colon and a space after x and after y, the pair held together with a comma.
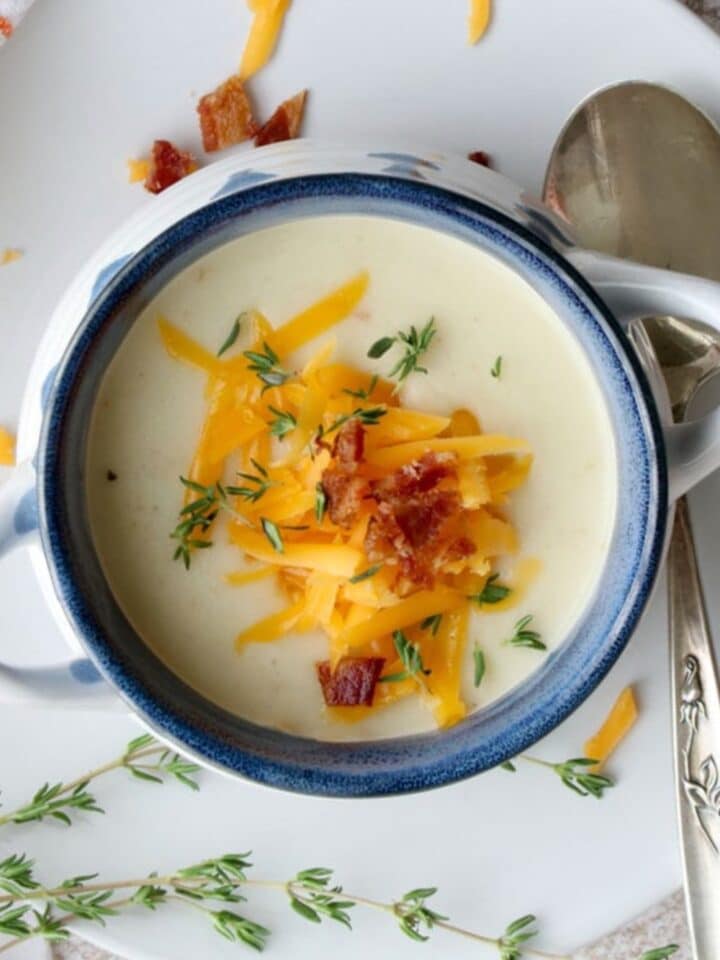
x: 9, y: 255
x: 7, y: 448
x: 618, y: 724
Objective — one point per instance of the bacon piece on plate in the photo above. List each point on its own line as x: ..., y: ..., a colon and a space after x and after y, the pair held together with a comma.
x: 167, y: 166
x: 226, y: 116
x: 353, y: 682
x: 479, y: 156
x: 284, y: 124
x: 349, y: 446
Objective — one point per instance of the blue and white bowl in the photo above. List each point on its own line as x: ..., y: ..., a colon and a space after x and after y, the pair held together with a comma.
x: 44, y: 504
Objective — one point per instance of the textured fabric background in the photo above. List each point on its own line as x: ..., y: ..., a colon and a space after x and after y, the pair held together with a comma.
x: 662, y: 924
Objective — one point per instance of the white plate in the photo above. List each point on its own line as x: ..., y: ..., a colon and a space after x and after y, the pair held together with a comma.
x: 85, y: 85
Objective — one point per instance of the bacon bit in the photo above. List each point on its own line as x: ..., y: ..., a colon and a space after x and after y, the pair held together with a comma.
x: 479, y: 156
x: 6, y: 28
x: 285, y: 123
x: 167, y: 166
x: 353, y: 682
x: 9, y: 255
x: 349, y: 446
x: 226, y: 116
x: 416, y: 524
x: 345, y: 494
x: 344, y: 489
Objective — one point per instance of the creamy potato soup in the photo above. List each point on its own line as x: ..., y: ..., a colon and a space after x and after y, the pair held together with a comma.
x: 432, y: 532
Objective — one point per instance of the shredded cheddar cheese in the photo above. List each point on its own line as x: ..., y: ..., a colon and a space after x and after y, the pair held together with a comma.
x: 617, y: 725
x: 268, y: 16
x: 288, y: 522
x: 9, y: 255
x: 137, y: 170
x: 7, y: 448
x: 478, y: 20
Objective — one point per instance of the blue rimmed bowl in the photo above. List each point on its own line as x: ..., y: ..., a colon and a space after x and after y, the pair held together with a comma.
x: 44, y: 505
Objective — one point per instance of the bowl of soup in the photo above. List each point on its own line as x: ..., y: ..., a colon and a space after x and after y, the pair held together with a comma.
x: 349, y: 482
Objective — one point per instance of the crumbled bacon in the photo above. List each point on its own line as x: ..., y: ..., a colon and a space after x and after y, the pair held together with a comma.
x: 284, y: 124
x: 479, y: 156
x: 345, y: 493
x: 167, y: 166
x: 349, y: 446
x: 6, y: 28
x: 226, y: 116
x: 416, y: 525
x: 344, y: 489
x: 352, y: 683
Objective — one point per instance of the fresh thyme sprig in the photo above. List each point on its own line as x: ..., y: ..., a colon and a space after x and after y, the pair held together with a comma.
x: 272, y: 532
x: 198, y: 515
x: 143, y: 757
x: 368, y: 416
x: 320, y: 502
x: 366, y: 574
x: 266, y: 365
x: 478, y: 665
x: 28, y: 909
x: 410, y: 657
x: 282, y: 423
x: 312, y: 896
x: 432, y: 623
x: 367, y: 392
x: 577, y: 774
x: 260, y: 484
x: 416, y: 343
x: 496, y: 369
x: 232, y: 336
x: 492, y: 591
x: 524, y: 637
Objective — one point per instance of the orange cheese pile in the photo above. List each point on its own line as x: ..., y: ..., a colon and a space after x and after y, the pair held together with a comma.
x: 319, y: 559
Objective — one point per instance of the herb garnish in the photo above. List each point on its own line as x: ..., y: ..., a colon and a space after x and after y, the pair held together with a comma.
x: 516, y: 934
x: 198, y: 516
x: 231, y: 337
x: 368, y: 416
x: 415, y: 342
x: 576, y: 774
x: 413, y: 913
x: 432, y: 623
x: 492, y: 592
x: 661, y: 953
x: 363, y: 394
x: 267, y: 366
x: 410, y: 657
x: 272, y: 532
x: 522, y: 637
x: 282, y: 424
x: 366, y: 574
x: 479, y: 665
x: 320, y: 502
x: 496, y: 368
x: 261, y: 484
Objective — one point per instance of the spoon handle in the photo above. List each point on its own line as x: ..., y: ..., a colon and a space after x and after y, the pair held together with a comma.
x: 696, y: 725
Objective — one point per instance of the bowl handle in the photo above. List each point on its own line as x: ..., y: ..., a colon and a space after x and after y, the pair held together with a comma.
x: 74, y: 682
x: 632, y: 292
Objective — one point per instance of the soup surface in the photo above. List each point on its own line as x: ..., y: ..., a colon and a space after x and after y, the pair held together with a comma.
x: 150, y: 411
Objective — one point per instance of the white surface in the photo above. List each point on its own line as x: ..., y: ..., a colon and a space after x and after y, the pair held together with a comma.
x: 71, y: 113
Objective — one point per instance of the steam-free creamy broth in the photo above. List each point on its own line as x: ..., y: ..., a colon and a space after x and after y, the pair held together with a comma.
x: 150, y: 410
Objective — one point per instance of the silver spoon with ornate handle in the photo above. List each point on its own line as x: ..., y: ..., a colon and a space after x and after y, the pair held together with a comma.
x: 636, y: 171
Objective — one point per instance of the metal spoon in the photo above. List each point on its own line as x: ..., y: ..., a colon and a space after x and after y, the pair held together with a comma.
x: 636, y: 171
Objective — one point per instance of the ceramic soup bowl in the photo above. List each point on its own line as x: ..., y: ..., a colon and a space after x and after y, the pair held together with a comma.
x: 43, y: 505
